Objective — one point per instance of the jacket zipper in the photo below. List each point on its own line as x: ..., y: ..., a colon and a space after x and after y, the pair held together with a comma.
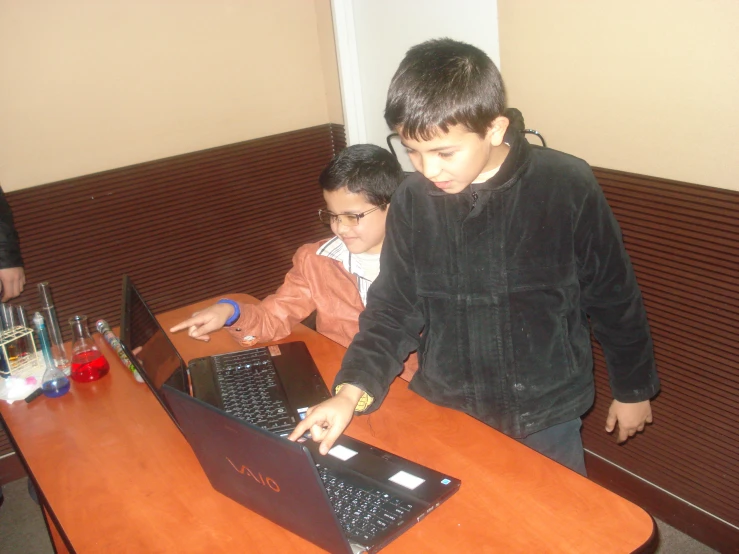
x: 474, y: 200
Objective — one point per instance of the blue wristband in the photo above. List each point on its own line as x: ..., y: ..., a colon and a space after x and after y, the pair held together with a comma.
x: 237, y: 311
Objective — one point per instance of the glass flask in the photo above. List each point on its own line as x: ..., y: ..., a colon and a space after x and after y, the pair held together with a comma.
x: 54, y: 383
x: 88, y: 363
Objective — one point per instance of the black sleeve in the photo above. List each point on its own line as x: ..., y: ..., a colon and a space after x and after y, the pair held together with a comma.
x: 390, y: 325
x: 611, y: 298
x: 10, y: 250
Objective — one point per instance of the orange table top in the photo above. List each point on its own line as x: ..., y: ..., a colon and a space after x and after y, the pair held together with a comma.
x: 117, y: 475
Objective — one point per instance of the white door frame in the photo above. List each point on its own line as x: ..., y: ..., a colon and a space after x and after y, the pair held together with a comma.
x: 348, y: 61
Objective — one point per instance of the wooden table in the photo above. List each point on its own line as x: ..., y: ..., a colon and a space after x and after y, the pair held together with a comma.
x: 117, y: 476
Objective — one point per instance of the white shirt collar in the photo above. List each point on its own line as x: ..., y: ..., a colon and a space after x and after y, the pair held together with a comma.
x: 337, y: 250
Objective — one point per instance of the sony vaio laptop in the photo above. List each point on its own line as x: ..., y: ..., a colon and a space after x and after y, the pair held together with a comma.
x: 271, y: 387
x: 357, y: 498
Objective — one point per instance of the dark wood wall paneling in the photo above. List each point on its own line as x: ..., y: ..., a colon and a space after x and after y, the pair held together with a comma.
x: 226, y: 219
x: 684, y: 244
x: 185, y: 228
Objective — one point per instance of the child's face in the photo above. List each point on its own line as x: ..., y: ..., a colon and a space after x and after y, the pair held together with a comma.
x: 368, y: 235
x: 453, y: 160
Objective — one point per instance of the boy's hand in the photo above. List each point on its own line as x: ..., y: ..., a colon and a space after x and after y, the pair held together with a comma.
x: 327, y: 420
x: 12, y: 281
x: 631, y: 418
x: 206, y: 321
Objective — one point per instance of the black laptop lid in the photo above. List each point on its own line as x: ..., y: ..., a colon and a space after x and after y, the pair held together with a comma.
x: 148, y: 346
x: 267, y: 474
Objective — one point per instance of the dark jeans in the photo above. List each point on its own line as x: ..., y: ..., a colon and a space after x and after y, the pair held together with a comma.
x: 562, y: 443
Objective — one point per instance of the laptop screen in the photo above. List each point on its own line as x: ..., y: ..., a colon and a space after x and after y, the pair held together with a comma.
x: 148, y: 345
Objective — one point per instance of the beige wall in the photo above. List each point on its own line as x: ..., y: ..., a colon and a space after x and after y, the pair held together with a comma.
x: 649, y: 87
x: 89, y: 85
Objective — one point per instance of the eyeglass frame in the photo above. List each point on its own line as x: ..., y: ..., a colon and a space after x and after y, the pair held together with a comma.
x: 334, y: 218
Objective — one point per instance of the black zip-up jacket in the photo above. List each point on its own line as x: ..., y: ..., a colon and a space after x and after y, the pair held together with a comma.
x: 494, y: 287
x: 10, y: 250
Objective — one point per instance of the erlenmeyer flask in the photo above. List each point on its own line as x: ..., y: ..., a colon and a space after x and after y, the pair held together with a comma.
x: 54, y: 383
x: 88, y: 363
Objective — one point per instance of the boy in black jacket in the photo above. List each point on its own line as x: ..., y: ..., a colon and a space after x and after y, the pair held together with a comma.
x: 12, y: 275
x: 497, y: 257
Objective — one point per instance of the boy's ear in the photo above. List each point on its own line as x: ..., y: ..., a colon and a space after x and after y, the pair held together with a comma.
x: 497, y: 131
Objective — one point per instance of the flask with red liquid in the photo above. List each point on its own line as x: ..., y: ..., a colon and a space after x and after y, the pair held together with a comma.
x: 88, y: 363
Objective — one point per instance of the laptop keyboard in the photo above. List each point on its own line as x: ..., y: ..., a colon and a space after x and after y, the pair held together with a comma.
x: 250, y: 390
x: 364, y: 512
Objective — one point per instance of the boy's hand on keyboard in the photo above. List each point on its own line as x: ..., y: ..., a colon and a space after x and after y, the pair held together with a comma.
x: 205, y: 321
x: 327, y: 420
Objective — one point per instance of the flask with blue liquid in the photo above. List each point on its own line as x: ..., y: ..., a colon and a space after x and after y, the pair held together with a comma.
x: 54, y: 383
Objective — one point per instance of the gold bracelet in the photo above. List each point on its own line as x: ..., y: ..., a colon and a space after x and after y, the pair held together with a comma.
x: 364, y: 401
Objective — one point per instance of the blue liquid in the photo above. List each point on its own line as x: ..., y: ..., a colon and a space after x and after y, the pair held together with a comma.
x: 56, y: 387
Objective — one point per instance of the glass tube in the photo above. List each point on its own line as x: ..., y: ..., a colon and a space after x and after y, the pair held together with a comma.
x: 26, y: 348
x: 4, y: 369
x: 5, y: 316
x: 52, y: 326
x: 9, y: 319
x: 43, y: 338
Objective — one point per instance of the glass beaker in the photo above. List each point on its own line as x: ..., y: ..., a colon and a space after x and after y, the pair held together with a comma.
x: 88, y: 363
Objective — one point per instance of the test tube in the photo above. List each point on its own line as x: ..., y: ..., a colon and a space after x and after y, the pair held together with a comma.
x: 22, y: 318
x: 5, y: 316
x: 4, y: 370
x: 26, y: 348
x: 52, y: 326
x: 9, y: 319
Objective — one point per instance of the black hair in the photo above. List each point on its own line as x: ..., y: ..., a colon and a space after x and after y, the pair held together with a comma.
x: 441, y: 83
x: 364, y: 169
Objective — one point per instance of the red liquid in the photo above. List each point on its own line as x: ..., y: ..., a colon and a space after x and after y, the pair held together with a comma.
x: 90, y: 365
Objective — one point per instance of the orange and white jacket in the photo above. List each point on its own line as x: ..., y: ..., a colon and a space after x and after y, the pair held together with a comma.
x: 324, y: 278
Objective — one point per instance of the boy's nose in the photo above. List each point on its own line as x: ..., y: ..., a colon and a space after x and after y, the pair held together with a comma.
x: 430, y: 168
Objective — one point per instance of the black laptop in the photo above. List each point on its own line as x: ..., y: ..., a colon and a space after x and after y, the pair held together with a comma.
x: 357, y: 498
x: 270, y: 386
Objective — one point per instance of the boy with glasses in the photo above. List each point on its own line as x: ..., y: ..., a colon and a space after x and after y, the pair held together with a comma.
x: 330, y: 277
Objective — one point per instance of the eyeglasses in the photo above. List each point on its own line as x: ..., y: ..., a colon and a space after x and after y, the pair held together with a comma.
x: 350, y: 220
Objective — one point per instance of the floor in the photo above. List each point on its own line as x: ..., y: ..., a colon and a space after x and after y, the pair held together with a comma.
x: 22, y: 528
